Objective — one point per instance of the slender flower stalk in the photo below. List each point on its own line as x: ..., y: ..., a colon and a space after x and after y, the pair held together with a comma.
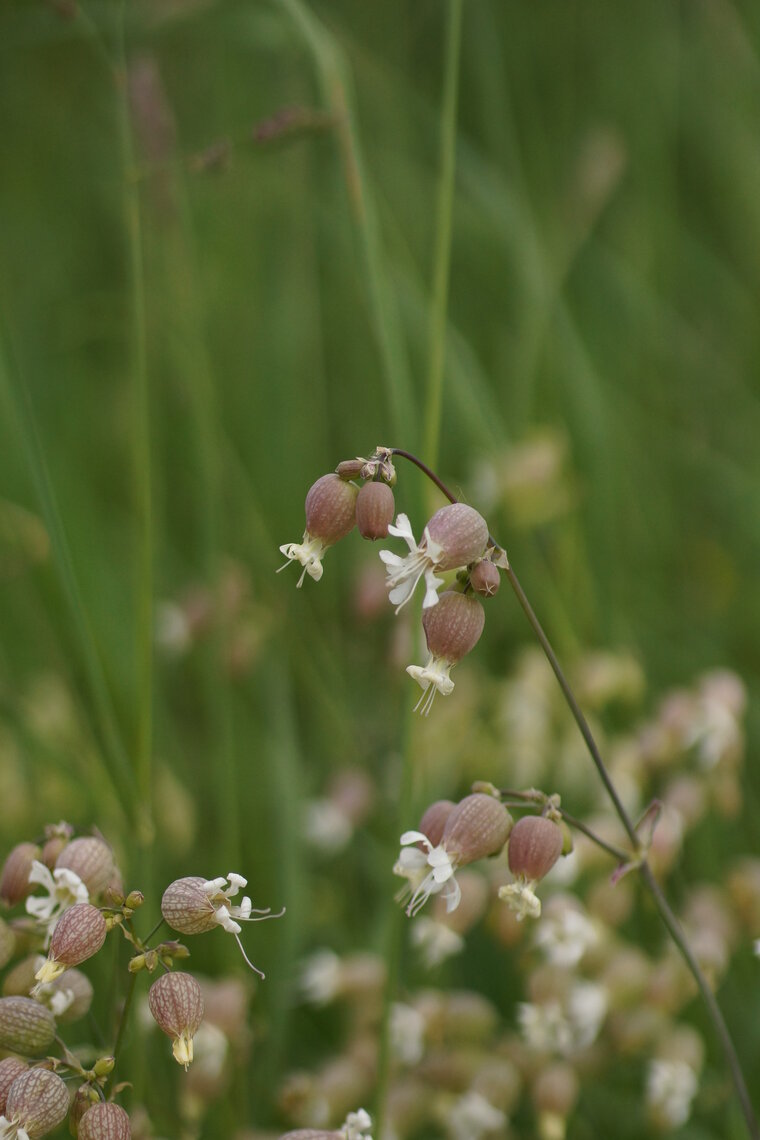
x: 640, y: 861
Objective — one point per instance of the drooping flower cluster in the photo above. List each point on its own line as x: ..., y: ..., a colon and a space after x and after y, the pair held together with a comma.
x: 455, y: 539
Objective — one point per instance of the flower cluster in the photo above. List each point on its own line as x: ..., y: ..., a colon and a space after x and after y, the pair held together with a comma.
x: 454, y: 540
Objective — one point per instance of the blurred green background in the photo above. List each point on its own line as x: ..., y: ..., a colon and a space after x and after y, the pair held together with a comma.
x: 217, y: 235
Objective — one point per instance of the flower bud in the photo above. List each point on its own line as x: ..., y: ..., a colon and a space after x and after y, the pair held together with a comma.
x: 462, y: 534
x: 375, y: 507
x: 186, y: 907
x: 79, y: 934
x: 350, y: 468
x: 91, y: 859
x: 14, y: 880
x: 176, y: 1003
x: 10, y: 1068
x: 330, y: 509
x: 485, y: 578
x: 84, y: 1098
x: 7, y: 943
x: 56, y: 837
x: 478, y: 826
x: 38, y: 1101
x: 434, y: 820
x: 134, y: 900
x: 535, y: 845
x: 453, y: 627
x: 25, y: 1026
x: 104, y: 1122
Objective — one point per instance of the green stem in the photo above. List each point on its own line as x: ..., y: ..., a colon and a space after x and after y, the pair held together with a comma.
x: 442, y: 252
x: 124, y: 1017
x: 141, y: 454
x: 645, y: 871
x: 335, y: 81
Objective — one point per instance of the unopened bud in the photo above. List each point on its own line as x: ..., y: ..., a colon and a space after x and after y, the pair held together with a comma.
x: 176, y: 1003
x: 104, y: 1066
x: 38, y: 1101
x: 134, y: 900
x: 187, y: 908
x: 91, y: 859
x: 350, y: 468
x: 434, y: 820
x: 330, y: 509
x: 136, y: 963
x: 104, y: 1122
x: 535, y: 845
x: 375, y: 507
x: 57, y: 835
x: 478, y: 826
x: 79, y: 934
x: 14, y: 880
x: 462, y: 534
x: 25, y: 1026
x: 84, y: 1098
x: 10, y: 1068
x: 453, y: 627
x: 485, y: 578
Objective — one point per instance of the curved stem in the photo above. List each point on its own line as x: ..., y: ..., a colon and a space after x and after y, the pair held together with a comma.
x: 645, y: 871
x: 124, y: 1017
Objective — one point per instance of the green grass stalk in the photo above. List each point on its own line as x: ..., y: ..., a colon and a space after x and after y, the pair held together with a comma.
x: 442, y: 249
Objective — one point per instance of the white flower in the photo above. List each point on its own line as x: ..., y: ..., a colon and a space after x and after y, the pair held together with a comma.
x: 586, y: 1009
x: 354, y: 1123
x: 756, y: 947
x: 219, y: 892
x: 427, y: 873
x: 435, y: 941
x: 325, y: 826
x: 407, y: 1033
x: 433, y: 677
x: 472, y: 1116
x: 521, y: 898
x: 64, y: 889
x: 565, y: 934
x: 320, y: 977
x: 671, y: 1087
x: 405, y: 573
x: 309, y: 553
x: 544, y: 1027
x: 566, y: 1026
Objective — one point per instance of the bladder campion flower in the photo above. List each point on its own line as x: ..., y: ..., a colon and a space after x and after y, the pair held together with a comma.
x: 330, y: 516
x: 79, y: 934
x: 535, y: 845
x: 452, y: 629
x: 104, y: 1122
x: 477, y: 827
x: 455, y: 536
x: 176, y: 1003
x: 38, y: 1101
x: 194, y: 905
x: 26, y: 1027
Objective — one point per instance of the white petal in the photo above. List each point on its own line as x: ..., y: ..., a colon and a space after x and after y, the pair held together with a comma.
x: 453, y: 896
x: 236, y: 881
x: 41, y: 874
x: 415, y: 837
